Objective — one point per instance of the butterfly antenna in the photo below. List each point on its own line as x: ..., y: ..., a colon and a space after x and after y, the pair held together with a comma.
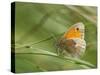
x: 53, y: 36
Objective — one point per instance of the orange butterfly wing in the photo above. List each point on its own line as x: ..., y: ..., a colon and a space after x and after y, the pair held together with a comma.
x: 76, y: 31
x: 73, y: 33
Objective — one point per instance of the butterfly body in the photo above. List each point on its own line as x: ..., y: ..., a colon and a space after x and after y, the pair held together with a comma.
x: 72, y: 43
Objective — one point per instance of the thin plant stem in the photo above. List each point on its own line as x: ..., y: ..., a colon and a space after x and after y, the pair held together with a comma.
x: 77, y: 61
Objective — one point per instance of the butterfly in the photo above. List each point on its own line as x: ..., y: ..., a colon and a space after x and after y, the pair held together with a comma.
x: 72, y: 43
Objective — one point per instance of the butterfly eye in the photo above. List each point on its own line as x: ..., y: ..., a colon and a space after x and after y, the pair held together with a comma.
x: 77, y: 29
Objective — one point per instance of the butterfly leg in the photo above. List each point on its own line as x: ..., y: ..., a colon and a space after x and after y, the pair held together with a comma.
x: 60, y: 52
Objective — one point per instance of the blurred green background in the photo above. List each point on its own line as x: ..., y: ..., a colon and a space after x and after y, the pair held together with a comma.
x: 37, y: 26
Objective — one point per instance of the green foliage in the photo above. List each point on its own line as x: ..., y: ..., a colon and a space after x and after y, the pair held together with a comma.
x: 37, y: 27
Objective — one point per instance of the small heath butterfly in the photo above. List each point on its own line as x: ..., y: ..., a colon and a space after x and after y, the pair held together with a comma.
x: 72, y: 43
